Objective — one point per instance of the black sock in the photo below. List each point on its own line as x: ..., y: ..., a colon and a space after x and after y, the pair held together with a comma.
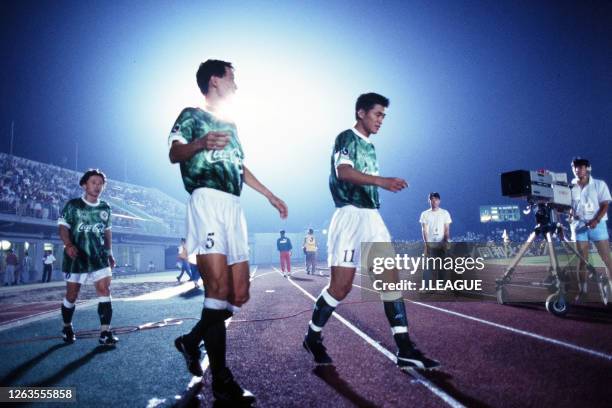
x: 396, y: 315
x: 214, y: 341
x: 105, y: 312
x: 321, y: 313
x: 208, y: 318
x: 67, y: 313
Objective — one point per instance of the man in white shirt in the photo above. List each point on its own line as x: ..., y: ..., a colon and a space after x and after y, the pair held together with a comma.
x: 435, y: 228
x: 590, y: 199
x: 48, y: 260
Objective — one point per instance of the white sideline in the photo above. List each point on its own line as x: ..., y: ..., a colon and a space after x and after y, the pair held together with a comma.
x: 419, y: 378
x: 571, y: 346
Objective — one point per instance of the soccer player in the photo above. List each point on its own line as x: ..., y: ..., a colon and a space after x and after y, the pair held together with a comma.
x: 85, y: 228
x: 211, y: 160
x: 590, y: 201
x: 354, y: 183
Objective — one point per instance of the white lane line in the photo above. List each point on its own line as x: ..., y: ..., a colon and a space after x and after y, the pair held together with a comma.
x: 419, y: 378
x: 571, y: 346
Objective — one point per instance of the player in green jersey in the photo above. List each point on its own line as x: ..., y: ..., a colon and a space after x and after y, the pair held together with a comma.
x: 85, y: 228
x: 354, y: 182
x: 211, y: 160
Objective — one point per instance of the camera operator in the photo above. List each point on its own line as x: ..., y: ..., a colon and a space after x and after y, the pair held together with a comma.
x: 590, y: 199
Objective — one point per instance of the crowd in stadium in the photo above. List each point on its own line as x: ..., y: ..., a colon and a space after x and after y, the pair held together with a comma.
x: 33, y: 189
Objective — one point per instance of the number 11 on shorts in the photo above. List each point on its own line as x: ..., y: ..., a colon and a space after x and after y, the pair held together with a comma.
x: 346, y: 255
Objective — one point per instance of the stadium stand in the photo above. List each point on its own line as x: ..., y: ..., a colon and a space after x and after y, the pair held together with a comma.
x: 39, y: 190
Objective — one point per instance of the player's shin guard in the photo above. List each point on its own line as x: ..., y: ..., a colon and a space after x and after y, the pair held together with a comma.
x: 105, y: 311
x: 323, y: 309
x: 67, y: 312
x: 395, y: 310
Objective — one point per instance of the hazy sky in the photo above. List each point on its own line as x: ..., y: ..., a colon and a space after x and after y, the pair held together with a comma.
x: 476, y: 88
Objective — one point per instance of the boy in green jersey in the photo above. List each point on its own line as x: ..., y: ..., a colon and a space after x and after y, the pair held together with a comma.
x: 211, y: 160
x: 354, y: 183
x: 85, y: 228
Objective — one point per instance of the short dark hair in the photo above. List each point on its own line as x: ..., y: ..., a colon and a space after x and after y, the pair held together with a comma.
x: 367, y: 101
x: 208, y: 69
x: 580, y: 161
x: 282, y: 232
x: 92, y: 172
x: 434, y: 194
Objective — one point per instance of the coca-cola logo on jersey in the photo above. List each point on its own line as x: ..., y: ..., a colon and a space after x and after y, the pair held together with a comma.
x: 232, y: 156
x: 95, y: 228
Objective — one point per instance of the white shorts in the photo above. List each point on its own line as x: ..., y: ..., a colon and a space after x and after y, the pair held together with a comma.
x: 88, y: 277
x: 216, y: 225
x: 349, y: 228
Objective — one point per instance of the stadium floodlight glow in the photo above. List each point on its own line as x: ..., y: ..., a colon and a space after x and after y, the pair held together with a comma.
x: 6, y: 245
x: 26, y: 245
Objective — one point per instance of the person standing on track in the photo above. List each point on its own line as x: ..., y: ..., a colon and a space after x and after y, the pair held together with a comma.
x: 48, y: 260
x: 435, y: 229
x: 310, y: 250
x: 211, y: 160
x: 590, y: 200
x: 354, y: 183
x: 85, y: 229
x: 284, y: 247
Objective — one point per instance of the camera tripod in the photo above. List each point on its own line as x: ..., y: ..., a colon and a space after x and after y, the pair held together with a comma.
x: 548, y: 226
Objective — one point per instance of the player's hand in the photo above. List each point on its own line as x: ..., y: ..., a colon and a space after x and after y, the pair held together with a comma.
x: 280, y: 206
x: 111, y: 261
x: 215, y: 140
x: 72, y: 251
x: 393, y: 184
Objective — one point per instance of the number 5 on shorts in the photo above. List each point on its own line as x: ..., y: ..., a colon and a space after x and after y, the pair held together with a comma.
x: 210, y: 242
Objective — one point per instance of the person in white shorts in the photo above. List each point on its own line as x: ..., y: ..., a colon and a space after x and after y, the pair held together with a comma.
x: 211, y: 160
x: 85, y: 229
x: 354, y: 183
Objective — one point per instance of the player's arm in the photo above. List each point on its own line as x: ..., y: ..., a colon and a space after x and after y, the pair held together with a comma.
x: 180, y: 152
x: 348, y: 174
x: 256, y: 185
x: 71, y: 249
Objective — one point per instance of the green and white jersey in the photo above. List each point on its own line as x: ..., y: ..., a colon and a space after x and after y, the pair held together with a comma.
x: 357, y: 151
x: 87, y: 223
x: 218, y: 169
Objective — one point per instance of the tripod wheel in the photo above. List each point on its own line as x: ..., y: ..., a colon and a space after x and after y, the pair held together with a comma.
x: 557, y: 305
x: 502, y: 295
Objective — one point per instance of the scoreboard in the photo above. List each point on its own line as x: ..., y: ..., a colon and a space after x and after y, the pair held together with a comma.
x: 500, y: 213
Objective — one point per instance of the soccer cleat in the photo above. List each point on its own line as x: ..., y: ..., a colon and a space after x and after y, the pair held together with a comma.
x: 191, y: 355
x: 411, y: 357
x: 315, y: 347
x: 68, y: 334
x: 107, y: 338
x: 227, y: 391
